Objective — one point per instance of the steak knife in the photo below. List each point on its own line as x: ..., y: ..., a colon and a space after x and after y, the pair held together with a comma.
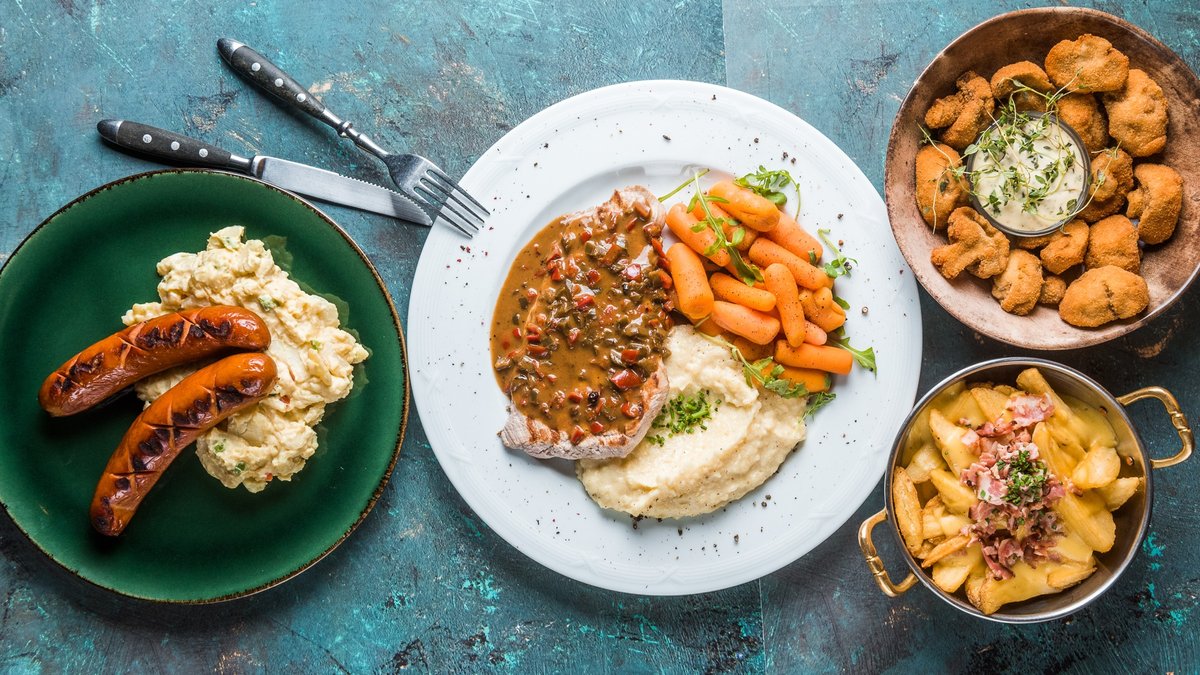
x: 306, y: 180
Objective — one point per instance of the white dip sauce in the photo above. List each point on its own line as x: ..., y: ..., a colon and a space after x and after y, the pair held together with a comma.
x: 1028, y: 173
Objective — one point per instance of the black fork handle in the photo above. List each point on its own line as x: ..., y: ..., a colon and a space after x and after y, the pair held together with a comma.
x: 269, y: 77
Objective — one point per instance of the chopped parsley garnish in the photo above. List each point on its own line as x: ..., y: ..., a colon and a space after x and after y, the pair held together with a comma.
x: 315, y: 344
x: 218, y: 447
x: 840, y: 265
x: 237, y: 470
x: 771, y: 185
x: 267, y: 303
x: 683, y: 414
x: 1026, y: 479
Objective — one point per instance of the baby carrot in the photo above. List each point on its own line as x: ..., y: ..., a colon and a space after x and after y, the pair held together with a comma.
x: 813, y: 380
x: 710, y: 327
x: 791, y: 236
x: 725, y: 287
x: 753, y: 210
x: 814, y: 334
x: 765, y: 253
x: 828, y: 359
x: 827, y: 315
x: 691, y: 284
x: 748, y: 235
x: 681, y: 223
x: 755, y: 326
x: 782, y: 285
x: 751, y: 351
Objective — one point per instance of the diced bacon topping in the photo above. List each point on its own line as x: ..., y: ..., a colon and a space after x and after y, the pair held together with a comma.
x: 1013, y: 520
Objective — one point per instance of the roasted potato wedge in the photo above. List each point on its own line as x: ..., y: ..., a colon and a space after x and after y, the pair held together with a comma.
x: 1100, y: 466
x: 948, y: 437
x: 957, y: 497
x: 908, y: 510
x: 1087, y: 516
x: 924, y: 460
x: 1116, y: 493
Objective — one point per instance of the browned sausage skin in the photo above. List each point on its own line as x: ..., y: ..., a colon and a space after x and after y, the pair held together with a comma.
x: 150, y: 347
x: 171, y: 423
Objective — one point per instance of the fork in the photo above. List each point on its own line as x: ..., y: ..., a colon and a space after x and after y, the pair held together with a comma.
x: 417, y: 178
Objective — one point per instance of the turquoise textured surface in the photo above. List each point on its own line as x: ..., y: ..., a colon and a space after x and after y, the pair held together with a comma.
x: 423, y: 584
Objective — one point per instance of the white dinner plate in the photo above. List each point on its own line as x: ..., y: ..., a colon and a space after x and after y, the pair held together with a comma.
x: 572, y: 156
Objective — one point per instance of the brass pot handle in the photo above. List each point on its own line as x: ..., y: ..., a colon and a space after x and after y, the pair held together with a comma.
x: 1177, y: 418
x: 877, y: 569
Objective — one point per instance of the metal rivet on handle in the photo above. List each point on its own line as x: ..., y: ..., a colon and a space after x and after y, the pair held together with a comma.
x: 279, y: 82
x: 203, y: 152
x: 174, y: 145
x: 301, y: 97
x: 146, y: 138
x: 255, y: 66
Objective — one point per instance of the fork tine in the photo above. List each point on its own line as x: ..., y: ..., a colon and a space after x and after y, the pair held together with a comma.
x: 443, y: 181
x: 433, y: 200
x: 474, y: 219
x: 459, y: 189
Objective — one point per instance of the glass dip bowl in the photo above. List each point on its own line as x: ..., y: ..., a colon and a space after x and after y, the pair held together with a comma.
x: 1034, y: 159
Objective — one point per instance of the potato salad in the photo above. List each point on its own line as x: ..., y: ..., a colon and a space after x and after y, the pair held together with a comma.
x: 315, y: 357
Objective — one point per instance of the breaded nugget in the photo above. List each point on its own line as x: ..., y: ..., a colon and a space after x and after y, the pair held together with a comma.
x: 1156, y: 201
x: 1137, y: 115
x: 1113, y: 241
x: 1066, y: 247
x: 1102, y: 295
x: 964, y: 113
x: 1027, y: 73
x: 1098, y: 210
x: 1088, y: 63
x: 1019, y: 286
x: 1082, y: 113
x: 975, y: 246
x: 939, y: 191
x: 1013, y: 77
x: 1112, y: 174
x: 1032, y: 243
x: 1053, y: 289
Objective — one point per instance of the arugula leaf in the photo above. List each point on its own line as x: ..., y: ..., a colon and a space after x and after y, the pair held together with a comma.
x: 771, y: 185
x: 672, y: 193
x: 864, y: 357
x: 818, y: 401
x: 840, y: 265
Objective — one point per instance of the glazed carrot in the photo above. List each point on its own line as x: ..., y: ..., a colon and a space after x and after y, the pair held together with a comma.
x: 725, y: 287
x: 681, y: 223
x: 748, y: 235
x: 828, y: 359
x: 782, y: 285
x: 814, y: 334
x: 813, y: 380
x: 755, y: 326
x: 828, y: 316
x: 765, y: 253
x: 753, y: 210
x: 691, y: 284
x: 750, y: 350
x: 791, y: 236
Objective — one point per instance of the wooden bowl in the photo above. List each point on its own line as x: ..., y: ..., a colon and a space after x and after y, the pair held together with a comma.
x: 1028, y: 35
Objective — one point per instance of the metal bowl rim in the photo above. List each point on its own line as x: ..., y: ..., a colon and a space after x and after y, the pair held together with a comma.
x: 1116, y: 571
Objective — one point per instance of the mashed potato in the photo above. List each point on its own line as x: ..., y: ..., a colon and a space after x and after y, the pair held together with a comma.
x: 315, y: 357
x: 743, y: 444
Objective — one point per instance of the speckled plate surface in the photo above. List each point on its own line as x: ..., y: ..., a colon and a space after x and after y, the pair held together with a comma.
x: 571, y: 156
x: 1028, y: 34
x: 193, y: 540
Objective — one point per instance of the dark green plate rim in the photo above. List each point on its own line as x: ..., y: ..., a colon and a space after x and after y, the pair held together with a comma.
x: 383, y: 481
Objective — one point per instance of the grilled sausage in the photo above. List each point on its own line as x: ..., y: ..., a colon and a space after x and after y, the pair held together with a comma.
x: 150, y: 347
x: 175, y: 419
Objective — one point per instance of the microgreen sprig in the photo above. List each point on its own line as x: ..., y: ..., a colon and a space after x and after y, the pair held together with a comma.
x: 864, y: 357
x: 771, y: 185
x: 748, y: 272
x: 840, y: 265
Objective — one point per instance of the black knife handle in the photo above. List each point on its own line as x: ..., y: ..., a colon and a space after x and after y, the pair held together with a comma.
x: 168, y: 146
x: 271, y: 79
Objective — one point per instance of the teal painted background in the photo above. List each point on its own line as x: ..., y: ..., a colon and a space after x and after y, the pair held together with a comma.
x: 423, y: 584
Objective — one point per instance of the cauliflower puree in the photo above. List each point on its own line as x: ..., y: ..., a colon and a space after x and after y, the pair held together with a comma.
x: 745, y: 441
x: 315, y: 357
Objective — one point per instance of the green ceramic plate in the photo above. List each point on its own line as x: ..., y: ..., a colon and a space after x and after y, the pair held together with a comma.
x: 193, y: 540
